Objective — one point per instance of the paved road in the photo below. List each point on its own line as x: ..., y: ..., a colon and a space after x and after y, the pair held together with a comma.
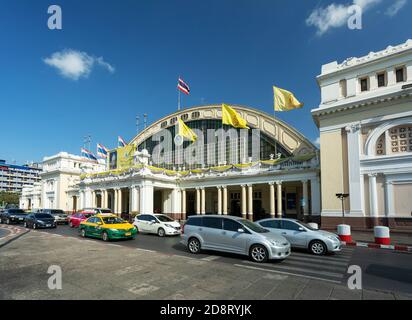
x: 331, y: 268
x: 4, y: 232
x: 381, y: 269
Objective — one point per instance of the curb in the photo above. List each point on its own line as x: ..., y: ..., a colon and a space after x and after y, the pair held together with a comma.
x: 378, y: 246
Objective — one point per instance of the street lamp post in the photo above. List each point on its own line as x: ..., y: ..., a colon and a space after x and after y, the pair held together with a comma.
x: 342, y: 197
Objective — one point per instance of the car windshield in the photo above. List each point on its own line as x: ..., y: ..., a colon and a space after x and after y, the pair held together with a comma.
x: 163, y: 218
x: 112, y: 220
x: 42, y: 216
x: 253, y: 226
x: 17, y: 211
x: 87, y: 215
x: 105, y: 211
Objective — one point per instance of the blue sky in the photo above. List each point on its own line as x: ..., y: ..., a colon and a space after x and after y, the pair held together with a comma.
x: 229, y: 51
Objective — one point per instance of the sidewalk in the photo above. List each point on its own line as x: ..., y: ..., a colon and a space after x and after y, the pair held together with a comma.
x: 396, y: 238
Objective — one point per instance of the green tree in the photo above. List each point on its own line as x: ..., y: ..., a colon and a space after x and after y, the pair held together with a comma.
x: 9, y: 198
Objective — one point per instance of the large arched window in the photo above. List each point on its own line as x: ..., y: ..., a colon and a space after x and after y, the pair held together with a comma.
x: 395, y: 140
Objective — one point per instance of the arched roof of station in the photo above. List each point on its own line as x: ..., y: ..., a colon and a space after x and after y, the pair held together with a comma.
x: 287, y: 136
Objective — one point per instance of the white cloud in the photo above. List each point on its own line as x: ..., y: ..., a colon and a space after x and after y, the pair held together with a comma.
x: 335, y: 15
x: 75, y: 64
x: 395, y: 8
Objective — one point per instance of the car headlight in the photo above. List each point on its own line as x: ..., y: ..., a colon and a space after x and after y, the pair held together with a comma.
x: 114, y: 230
x: 275, y: 243
x: 169, y: 226
x: 333, y: 238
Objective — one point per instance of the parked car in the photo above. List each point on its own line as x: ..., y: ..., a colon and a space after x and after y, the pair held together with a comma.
x: 59, y: 215
x: 235, y: 235
x: 10, y: 216
x: 76, y: 218
x: 159, y: 224
x: 301, y: 235
x: 107, y: 227
x: 39, y: 220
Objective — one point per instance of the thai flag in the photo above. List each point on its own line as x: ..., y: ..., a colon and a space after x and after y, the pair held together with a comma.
x: 102, y: 151
x: 182, y: 86
x: 121, y: 142
x: 87, y: 154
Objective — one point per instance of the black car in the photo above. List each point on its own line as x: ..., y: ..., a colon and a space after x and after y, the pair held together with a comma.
x: 10, y: 216
x: 39, y: 220
x: 59, y: 216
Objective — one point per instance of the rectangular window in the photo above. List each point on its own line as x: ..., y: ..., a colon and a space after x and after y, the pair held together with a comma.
x: 381, y: 79
x: 400, y: 74
x: 343, y: 88
x: 364, y: 85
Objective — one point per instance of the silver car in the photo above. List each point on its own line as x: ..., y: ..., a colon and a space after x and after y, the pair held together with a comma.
x: 234, y: 235
x: 301, y: 235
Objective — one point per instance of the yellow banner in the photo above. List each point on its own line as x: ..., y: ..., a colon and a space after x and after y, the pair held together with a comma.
x: 125, y: 156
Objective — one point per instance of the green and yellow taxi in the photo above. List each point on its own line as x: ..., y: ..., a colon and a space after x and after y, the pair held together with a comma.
x: 107, y: 227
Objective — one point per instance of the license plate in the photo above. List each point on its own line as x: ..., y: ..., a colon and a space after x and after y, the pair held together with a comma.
x: 21, y: 219
x: 128, y: 234
x: 48, y: 225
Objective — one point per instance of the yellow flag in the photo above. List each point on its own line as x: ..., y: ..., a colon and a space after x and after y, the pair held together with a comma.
x: 125, y: 156
x: 285, y: 100
x: 185, y: 132
x: 232, y: 118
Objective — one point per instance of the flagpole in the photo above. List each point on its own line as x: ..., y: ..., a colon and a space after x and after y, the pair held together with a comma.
x: 276, y: 129
x: 178, y: 99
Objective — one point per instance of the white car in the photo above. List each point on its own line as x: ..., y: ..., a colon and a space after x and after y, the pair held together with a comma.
x: 159, y: 224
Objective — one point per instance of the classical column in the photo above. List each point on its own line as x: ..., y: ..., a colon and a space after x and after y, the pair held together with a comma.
x: 373, y: 195
x: 250, y: 202
x: 305, y: 198
x: 136, y: 207
x: 356, y: 188
x: 203, y: 198
x: 115, y: 200
x: 224, y: 200
x: 197, y: 200
x: 315, y: 196
x: 120, y: 202
x: 146, y: 198
x: 389, y: 203
x: 183, y: 217
x: 132, y: 198
x: 279, y: 199
x: 244, y: 201
x: 81, y: 206
x: 219, y: 200
x: 272, y: 199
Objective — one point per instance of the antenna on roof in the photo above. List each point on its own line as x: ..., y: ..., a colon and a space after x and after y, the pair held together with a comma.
x: 137, y: 124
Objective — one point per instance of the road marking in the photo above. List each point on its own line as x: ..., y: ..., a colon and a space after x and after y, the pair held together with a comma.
x: 292, y: 267
x: 313, y: 260
x: 286, y: 273
x: 210, y: 258
x: 146, y: 250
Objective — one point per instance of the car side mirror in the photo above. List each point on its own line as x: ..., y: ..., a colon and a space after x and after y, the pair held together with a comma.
x: 240, y: 230
x: 153, y: 221
x: 301, y: 229
x: 100, y: 223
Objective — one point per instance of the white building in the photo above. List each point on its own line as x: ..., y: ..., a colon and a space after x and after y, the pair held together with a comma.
x: 254, y: 189
x: 365, y: 121
x: 60, y: 172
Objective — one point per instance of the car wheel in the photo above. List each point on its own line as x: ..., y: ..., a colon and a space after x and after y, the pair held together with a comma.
x: 318, y: 248
x: 258, y: 253
x: 161, y: 232
x: 105, y: 236
x: 25, y: 225
x: 83, y: 233
x: 34, y: 226
x: 8, y: 221
x: 194, y: 245
x: 71, y: 224
x: 1, y: 221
